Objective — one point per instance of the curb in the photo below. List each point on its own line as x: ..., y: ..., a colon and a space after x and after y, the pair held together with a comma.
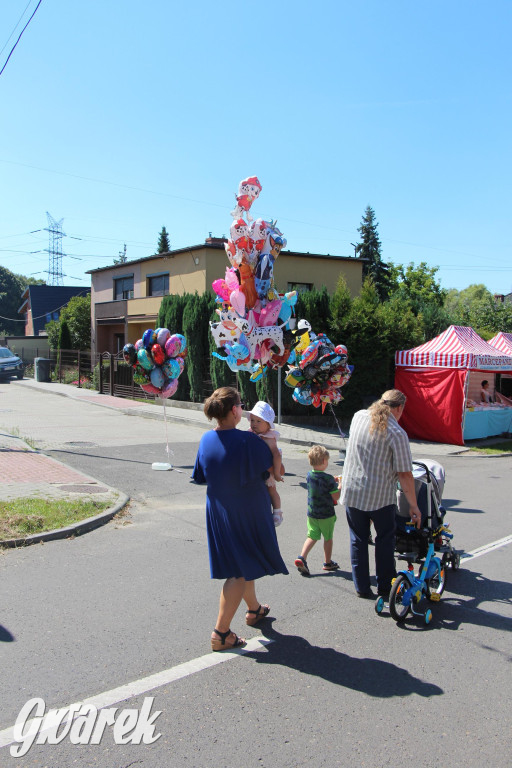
x: 76, y: 529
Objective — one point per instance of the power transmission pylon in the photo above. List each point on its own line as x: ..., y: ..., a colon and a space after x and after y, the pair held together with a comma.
x: 55, y: 274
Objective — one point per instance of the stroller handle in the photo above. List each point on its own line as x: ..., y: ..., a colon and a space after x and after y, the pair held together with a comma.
x: 423, y: 466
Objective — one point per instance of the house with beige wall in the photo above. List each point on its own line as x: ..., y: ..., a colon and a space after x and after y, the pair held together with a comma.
x: 126, y: 297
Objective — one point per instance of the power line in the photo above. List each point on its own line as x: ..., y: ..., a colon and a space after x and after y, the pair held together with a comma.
x: 19, y: 38
x: 15, y: 27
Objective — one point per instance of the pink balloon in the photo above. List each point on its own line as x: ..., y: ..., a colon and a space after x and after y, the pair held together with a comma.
x: 170, y: 388
x: 172, y: 346
x: 181, y: 363
x: 221, y: 289
x: 150, y: 389
x: 270, y: 313
x: 237, y: 301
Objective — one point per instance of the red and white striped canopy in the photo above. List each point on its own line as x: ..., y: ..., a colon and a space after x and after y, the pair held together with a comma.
x: 502, y: 342
x: 457, y: 347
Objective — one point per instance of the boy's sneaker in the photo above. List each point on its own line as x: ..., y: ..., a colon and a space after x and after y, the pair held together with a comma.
x: 302, y: 566
x: 332, y: 566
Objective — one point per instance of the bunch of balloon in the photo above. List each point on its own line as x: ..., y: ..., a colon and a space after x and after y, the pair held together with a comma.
x: 319, y: 368
x: 158, y: 359
x: 253, y: 332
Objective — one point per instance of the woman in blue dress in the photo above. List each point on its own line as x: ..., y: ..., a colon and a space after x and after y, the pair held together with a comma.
x: 242, y: 539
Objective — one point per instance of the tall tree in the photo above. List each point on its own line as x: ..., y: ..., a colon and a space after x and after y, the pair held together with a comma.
x: 77, y: 317
x: 370, y: 249
x: 164, y: 245
x: 11, y: 289
x: 64, y: 336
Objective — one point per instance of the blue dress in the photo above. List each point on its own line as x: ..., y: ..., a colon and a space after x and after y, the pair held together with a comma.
x: 242, y: 539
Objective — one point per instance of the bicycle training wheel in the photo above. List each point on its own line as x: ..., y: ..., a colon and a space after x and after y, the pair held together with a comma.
x: 396, y: 607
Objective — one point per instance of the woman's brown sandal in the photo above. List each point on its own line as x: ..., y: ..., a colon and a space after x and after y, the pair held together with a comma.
x: 221, y: 645
x: 257, y: 615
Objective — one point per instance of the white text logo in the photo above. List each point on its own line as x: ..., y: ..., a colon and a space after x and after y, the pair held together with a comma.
x: 82, y: 724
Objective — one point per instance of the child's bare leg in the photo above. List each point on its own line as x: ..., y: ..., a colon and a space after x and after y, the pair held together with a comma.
x: 328, y: 550
x: 308, y: 546
x: 274, y: 497
x: 275, y: 500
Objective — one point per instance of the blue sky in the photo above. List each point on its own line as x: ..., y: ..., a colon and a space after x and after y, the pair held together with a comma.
x: 123, y: 117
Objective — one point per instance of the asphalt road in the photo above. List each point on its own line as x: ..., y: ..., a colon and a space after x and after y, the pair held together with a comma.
x: 336, y: 685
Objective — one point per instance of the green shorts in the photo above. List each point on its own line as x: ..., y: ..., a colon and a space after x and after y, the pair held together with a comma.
x: 321, y: 527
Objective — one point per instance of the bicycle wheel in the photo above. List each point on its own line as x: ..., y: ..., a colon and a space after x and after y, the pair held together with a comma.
x: 436, y: 584
x: 396, y: 607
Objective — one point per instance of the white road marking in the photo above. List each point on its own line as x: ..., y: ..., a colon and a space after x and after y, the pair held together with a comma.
x: 145, y: 684
x: 486, y: 548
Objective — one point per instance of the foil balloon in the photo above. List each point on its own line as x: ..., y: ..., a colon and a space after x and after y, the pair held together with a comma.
x: 170, y: 388
x: 149, y: 338
x: 144, y: 358
x: 129, y: 353
x: 158, y: 354
x: 162, y: 334
x: 157, y: 377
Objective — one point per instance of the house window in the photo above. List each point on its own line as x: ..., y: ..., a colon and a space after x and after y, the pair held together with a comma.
x: 158, y: 285
x: 123, y: 287
x: 300, y: 287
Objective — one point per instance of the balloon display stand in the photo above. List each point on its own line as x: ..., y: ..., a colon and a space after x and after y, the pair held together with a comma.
x: 162, y: 465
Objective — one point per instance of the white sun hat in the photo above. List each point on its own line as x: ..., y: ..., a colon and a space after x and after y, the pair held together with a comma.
x: 264, y: 411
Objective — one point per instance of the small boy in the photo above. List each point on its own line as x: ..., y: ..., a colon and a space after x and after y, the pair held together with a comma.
x: 323, y: 494
x: 261, y: 419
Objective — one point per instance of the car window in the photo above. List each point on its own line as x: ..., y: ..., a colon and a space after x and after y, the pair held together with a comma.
x: 5, y: 352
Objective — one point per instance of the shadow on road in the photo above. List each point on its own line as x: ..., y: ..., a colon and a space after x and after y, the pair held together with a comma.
x: 380, y: 679
x: 5, y: 635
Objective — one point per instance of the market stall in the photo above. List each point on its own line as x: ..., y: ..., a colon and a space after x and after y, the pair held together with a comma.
x: 441, y: 378
x: 503, y: 343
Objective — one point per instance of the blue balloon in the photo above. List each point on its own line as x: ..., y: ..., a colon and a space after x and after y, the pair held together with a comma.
x: 157, y: 377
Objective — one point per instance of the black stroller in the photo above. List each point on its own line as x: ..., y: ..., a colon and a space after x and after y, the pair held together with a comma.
x: 430, y: 546
x: 412, y: 545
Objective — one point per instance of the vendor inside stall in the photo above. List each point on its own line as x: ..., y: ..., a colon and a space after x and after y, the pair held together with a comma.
x: 485, y: 394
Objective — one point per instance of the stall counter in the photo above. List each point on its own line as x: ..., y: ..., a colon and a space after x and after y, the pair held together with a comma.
x: 486, y: 421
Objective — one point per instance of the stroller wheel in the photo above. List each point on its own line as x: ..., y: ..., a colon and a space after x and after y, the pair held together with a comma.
x: 397, y: 608
x: 436, y: 585
x: 455, y: 561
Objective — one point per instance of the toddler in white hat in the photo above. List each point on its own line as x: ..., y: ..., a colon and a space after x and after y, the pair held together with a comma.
x: 261, y: 419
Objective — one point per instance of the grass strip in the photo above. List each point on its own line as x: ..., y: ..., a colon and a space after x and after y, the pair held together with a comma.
x: 504, y: 447
x: 26, y: 516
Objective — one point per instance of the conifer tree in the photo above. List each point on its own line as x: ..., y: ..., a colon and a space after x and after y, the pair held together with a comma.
x: 370, y: 249
x: 164, y: 245
x: 64, y: 335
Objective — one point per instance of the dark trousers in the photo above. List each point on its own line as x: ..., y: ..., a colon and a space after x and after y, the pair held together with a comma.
x: 359, y: 523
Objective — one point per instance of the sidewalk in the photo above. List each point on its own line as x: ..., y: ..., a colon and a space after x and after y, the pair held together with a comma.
x: 25, y: 472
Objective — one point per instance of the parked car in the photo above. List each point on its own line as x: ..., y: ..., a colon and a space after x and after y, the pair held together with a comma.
x: 10, y: 365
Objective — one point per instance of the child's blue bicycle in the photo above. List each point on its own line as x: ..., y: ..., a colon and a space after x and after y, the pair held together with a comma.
x: 430, y: 546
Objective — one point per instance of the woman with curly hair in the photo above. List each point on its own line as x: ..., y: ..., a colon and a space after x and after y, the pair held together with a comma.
x: 378, y: 455
x: 242, y: 540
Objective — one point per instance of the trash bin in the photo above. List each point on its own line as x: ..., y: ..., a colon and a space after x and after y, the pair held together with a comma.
x: 42, y: 369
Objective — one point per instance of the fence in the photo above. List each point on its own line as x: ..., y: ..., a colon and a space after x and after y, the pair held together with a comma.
x: 71, y: 366
x: 115, y: 377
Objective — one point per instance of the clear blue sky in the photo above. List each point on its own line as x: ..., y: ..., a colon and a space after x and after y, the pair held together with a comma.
x: 123, y: 117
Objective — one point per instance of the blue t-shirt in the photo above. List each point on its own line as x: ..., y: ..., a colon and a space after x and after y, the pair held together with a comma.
x: 321, y: 486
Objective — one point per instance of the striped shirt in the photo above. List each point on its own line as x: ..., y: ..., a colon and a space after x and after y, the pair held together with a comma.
x: 372, y: 463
